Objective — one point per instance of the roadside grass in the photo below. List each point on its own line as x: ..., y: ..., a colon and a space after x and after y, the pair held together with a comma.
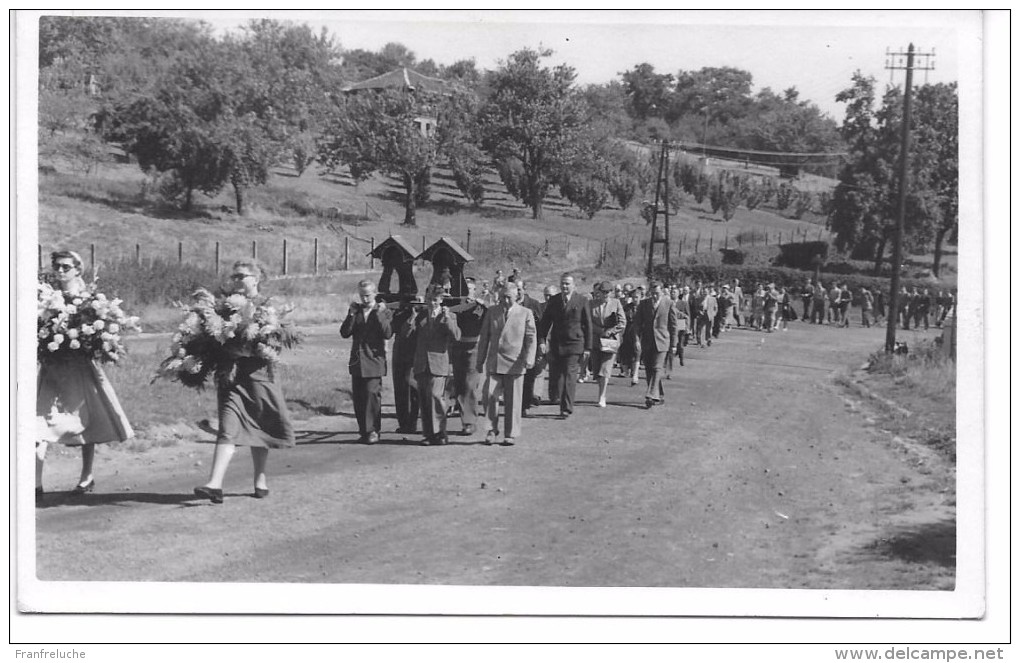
x: 923, y: 386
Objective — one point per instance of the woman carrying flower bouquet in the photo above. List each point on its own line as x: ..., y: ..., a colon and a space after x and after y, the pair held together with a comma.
x: 252, y: 410
x: 75, y: 402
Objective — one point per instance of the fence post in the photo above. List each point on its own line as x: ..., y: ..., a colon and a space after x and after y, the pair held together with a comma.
x: 546, y: 246
x: 217, y: 268
x: 138, y: 254
x: 254, y: 249
x: 468, y: 247
x: 371, y: 259
x: 766, y: 238
x: 315, y: 256
x: 819, y: 233
x: 284, y: 256
x: 180, y: 253
x: 711, y: 241
x: 626, y: 250
x: 726, y: 241
x: 39, y: 246
x: 347, y: 254
x: 697, y: 241
x: 92, y: 258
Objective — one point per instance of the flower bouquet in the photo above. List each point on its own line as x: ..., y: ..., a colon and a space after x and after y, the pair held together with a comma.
x: 217, y: 330
x: 87, y: 324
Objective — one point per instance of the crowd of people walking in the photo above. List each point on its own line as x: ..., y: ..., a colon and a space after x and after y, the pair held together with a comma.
x: 475, y: 357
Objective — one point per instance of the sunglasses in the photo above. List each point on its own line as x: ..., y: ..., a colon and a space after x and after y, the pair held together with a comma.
x: 63, y: 267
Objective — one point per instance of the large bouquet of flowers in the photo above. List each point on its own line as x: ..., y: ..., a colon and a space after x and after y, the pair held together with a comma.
x: 86, y: 323
x: 218, y: 330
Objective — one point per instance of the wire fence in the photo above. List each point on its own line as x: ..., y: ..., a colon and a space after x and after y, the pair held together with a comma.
x: 348, y: 252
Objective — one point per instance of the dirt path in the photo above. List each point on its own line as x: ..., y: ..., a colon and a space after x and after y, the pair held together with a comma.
x: 758, y: 472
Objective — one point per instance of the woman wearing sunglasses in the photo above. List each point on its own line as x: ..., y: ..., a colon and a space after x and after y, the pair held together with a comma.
x: 252, y: 409
x: 75, y: 402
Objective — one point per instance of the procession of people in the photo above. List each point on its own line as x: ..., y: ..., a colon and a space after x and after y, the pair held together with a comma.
x: 475, y: 356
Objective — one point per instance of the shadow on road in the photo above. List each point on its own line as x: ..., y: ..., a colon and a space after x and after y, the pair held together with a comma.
x: 932, y: 543
x: 103, y: 499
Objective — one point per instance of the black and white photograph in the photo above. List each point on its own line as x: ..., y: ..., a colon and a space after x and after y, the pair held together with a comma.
x: 565, y: 313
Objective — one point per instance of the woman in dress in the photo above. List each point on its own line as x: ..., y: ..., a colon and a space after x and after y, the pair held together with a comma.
x: 630, y: 349
x: 608, y: 323
x: 75, y: 402
x: 252, y: 410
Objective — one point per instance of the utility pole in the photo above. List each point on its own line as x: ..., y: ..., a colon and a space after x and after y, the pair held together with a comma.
x: 894, y: 61
x: 661, y: 197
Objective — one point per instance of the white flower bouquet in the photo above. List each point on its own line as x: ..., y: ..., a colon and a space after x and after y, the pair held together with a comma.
x: 217, y: 331
x: 87, y: 324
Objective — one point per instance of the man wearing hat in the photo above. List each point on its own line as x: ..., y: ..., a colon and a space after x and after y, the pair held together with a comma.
x: 655, y: 320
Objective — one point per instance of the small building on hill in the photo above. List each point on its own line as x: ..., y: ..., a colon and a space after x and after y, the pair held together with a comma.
x: 411, y: 82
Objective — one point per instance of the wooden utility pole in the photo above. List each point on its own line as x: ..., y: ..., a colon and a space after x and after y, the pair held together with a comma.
x: 661, y: 196
x: 893, y: 62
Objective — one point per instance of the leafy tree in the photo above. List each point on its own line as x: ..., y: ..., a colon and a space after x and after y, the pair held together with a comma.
x: 937, y: 150
x: 529, y: 124
x: 648, y: 93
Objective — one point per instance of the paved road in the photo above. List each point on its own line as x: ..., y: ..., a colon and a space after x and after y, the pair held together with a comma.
x: 754, y: 474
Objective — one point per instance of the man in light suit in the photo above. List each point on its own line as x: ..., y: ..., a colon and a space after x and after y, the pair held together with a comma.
x: 368, y: 325
x: 656, y: 322
x: 565, y: 336
x: 506, y: 350
x: 437, y: 330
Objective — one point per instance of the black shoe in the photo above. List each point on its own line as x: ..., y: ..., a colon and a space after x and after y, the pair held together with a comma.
x: 469, y: 429
x: 81, y: 489
x: 649, y: 403
x: 261, y: 492
x: 440, y: 440
x: 214, y: 495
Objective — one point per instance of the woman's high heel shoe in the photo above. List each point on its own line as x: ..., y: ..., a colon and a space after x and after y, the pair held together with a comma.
x: 261, y: 492
x: 81, y: 489
x: 214, y: 495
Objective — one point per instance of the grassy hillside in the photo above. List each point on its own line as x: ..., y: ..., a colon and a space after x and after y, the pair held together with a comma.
x: 115, y: 209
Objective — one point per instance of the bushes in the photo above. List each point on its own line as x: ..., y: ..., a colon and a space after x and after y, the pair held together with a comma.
x: 751, y: 255
x: 801, y: 255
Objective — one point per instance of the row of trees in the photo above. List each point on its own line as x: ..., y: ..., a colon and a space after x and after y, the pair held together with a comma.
x: 202, y: 112
x: 865, y: 204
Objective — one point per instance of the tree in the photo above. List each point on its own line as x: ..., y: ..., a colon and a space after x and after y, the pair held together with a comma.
x: 377, y: 131
x: 865, y: 202
x: 937, y: 136
x: 208, y: 120
x: 529, y: 124
x: 648, y: 93
x: 860, y: 199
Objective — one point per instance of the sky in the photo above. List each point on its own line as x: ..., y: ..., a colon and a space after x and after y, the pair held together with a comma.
x: 815, y: 51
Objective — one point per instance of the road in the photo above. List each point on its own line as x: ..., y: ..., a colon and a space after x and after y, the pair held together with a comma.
x: 760, y: 471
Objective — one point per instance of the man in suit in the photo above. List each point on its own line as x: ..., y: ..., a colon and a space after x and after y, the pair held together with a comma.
x: 656, y: 322
x: 368, y: 325
x: 405, y: 388
x: 437, y: 331
x: 506, y: 350
x: 466, y: 384
x: 707, y: 310
x: 565, y: 337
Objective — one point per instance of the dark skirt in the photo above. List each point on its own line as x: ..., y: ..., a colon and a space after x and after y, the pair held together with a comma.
x: 252, y: 409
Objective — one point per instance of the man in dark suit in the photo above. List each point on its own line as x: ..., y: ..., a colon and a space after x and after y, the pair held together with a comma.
x: 405, y: 389
x: 565, y: 337
x: 437, y: 331
x: 656, y: 322
x: 368, y: 325
x: 465, y: 387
